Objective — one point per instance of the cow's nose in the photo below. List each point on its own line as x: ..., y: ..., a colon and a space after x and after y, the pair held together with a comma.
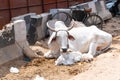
x: 64, y: 49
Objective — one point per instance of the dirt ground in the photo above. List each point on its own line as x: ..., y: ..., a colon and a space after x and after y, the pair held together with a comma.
x: 103, y: 67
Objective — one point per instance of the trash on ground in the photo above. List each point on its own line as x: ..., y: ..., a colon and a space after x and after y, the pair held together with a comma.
x: 39, y: 78
x: 14, y: 70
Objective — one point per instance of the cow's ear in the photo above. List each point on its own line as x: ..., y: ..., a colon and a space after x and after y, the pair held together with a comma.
x: 71, y: 37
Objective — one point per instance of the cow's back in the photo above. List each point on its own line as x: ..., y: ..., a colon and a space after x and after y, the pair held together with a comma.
x: 85, y: 35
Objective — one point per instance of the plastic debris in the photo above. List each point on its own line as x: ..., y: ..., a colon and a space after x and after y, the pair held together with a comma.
x: 39, y: 78
x: 14, y: 70
x: 68, y: 58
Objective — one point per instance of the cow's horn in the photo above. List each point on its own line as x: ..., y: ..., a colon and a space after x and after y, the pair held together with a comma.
x: 71, y: 25
x: 50, y: 28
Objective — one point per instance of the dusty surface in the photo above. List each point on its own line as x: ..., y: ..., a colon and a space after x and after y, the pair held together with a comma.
x: 104, y: 67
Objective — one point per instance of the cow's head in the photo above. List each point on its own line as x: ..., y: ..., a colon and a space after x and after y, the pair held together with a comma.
x: 61, y: 35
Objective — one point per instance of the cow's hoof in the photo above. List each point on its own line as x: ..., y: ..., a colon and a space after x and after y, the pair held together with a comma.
x: 57, y: 63
x: 87, y: 58
x: 51, y: 55
x: 48, y: 55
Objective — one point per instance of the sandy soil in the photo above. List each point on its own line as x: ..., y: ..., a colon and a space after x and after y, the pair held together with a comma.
x: 103, y: 67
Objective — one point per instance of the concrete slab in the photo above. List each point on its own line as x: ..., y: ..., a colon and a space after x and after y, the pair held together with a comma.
x: 9, y: 53
x: 44, y: 30
x: 26, y: 17
x: 20, y: 30
x: 103, y: 13
x: 21, y: 40
x: 93, y: 6
x: 53, y: 11
x: 36, y: 25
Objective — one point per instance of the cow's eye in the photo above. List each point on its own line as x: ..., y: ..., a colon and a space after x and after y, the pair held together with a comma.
x: 71, y: 37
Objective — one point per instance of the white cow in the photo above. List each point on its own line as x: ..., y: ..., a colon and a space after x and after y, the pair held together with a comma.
x: 88, y: 40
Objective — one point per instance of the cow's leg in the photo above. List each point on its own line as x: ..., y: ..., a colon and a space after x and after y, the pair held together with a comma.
x: 54, y: 51
x: 52, y: 54
x: 92, y: 50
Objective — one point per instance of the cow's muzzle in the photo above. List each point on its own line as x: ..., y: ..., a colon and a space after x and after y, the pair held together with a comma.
x: 64, y: 49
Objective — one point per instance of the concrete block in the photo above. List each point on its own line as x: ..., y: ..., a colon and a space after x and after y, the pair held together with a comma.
x: 26, y: 17
x: 23, y: 17
x: 104, y: 13
x: 9, y: 53
x: 36, y: 22
x: 92, y: 5
x: 53, y: 11
x: 44, y: 29
x: 20, y: 30
x: 80, y: 6
x: 20, y: 38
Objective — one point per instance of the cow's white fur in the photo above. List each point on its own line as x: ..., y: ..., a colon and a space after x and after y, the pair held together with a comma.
x: 89, y: 40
